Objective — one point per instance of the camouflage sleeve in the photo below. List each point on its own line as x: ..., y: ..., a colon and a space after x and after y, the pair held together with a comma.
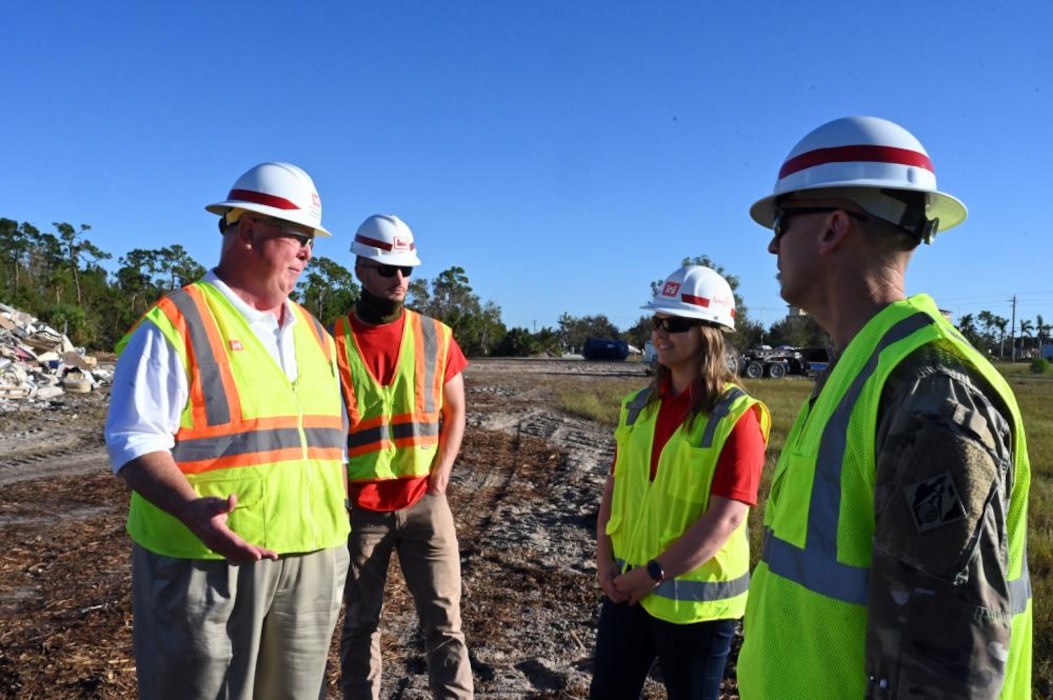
x: 938, y: 611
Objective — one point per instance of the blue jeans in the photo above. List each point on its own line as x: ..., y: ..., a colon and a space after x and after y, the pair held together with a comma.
x: 691, y: 657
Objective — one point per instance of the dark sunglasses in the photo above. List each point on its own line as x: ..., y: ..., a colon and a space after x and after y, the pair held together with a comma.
x: 390, y: 270
x: 782, y: 217
x: 287, y: 231
x: 674, y: 324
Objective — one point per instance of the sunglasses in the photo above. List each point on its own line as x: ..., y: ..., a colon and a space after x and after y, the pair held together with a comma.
x: 390, y: 270
x: 286, y: 230
x: 674, y: 324
x: 782, y: 217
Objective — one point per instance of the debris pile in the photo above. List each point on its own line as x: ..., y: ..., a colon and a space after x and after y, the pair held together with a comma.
x: 38, y: 363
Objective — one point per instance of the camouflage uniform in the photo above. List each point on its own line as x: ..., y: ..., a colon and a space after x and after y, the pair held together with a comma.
x: 938, y: 610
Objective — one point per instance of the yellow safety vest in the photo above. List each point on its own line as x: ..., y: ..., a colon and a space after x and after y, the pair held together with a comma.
x: 248, y: 430
x: 806, y: 620
x: 647, y: 517
x: 394, y: 430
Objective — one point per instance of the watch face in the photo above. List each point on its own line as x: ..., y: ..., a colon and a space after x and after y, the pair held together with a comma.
x: 654, y: 569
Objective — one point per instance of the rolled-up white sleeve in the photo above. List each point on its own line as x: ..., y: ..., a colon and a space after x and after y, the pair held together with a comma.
x: 149, y: 394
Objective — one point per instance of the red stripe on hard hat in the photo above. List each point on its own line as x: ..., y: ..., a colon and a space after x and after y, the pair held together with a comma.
x: 379, y: 244
x: 699, y: 301
x: 260, y: 198
x: 852, y: 154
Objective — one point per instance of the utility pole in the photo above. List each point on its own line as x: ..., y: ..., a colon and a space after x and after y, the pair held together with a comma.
x: 1012, y: 333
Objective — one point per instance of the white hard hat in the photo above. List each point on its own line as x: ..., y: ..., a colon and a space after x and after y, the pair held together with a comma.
x: 387, y: 240
x: 279, y: 190
x: 698, y: 292
x: 869, y: 160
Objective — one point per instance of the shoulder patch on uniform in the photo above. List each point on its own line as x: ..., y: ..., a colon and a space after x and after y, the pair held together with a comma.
x: 934, y: 502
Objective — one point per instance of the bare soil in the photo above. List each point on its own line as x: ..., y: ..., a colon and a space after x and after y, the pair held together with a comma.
x: 524, y: 493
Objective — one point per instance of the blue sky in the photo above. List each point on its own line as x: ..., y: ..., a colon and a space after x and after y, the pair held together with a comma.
x: 565, y: 154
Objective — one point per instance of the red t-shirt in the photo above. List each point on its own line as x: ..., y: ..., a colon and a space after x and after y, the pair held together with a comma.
x: 738, y: 472
x: 379, y: 346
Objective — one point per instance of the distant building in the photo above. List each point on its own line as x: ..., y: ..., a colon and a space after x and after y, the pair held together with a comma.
x: 1047, y: 351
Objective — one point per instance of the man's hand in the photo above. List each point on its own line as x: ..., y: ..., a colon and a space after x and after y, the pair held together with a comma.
x: 438, y: 481
x: 157, y: 479
x: 207, y: 518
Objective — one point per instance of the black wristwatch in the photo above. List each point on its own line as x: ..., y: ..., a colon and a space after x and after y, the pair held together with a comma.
x: 655, y: 571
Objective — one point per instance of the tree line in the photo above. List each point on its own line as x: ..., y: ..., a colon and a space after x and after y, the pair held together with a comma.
x: 58, y: 277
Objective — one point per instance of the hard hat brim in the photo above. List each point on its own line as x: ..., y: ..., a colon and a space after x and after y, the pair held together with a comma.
x: 948, y: 209
x: 221, y: 209
x: 680, y: 311
x: 409, y: 259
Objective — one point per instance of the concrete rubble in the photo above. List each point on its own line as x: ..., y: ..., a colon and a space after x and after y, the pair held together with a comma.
x: 38, y: 363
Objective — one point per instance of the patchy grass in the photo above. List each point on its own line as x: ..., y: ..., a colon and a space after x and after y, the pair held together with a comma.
x: 1034, y: 394
x: 599, y: 400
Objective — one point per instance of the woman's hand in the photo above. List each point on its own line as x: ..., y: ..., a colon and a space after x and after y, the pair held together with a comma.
x: 635, y: 584
x: 607, y: 572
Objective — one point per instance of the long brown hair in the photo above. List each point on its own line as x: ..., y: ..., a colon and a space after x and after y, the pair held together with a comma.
x: 713, y: 373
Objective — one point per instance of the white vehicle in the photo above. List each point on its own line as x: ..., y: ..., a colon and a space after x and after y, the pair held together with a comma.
x: 650, y: 357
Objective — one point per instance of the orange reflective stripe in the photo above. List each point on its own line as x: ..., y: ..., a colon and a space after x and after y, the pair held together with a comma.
x: 343, y: 334
x: 214, y: 397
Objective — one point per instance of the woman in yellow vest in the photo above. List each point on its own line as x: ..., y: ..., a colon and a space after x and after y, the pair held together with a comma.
x: 672, y: 551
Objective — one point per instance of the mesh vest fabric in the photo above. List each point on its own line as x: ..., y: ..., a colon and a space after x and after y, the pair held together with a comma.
x: 646, y: 518
x: 394, y: 429
x: 805, y: 626
x: 248, y: 430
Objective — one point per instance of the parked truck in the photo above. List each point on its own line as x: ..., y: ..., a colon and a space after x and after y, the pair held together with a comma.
x: 782, y: 361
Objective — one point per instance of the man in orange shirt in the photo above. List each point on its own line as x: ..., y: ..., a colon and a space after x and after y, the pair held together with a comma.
x: 402, y: 384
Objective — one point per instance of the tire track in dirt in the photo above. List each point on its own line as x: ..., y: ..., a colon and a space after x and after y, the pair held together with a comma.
x: 38, y: 452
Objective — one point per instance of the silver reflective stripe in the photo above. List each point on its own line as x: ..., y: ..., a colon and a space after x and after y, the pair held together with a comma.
x: 325, y: 438
x: 637, y: 405
x: 254, y: 441
x: 401, y: 431
x: 217, y: 410
x: 1020, y: 590
x: 429, y: 341
x: 699, y: 591
x: 816, y: 567
x: 249, y: 442
x: 721, y: 410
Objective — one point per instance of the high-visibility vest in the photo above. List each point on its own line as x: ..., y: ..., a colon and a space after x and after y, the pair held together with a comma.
x: 248, y: 430
x: 647, y: 517
x: 393, y: 430
x: 806, y: 620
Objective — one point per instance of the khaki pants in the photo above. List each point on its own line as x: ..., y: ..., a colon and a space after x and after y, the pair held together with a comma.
x: 424, y: 536
x: 249, y: 631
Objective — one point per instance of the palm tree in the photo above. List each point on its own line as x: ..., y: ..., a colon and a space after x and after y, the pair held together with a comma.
x: 1043, y: 330
x: 1026, y: 328
x: 1000, y: 324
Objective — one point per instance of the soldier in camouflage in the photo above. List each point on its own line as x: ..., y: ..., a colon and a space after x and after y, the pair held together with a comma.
x: 894, y: 563
x: 938, y: 623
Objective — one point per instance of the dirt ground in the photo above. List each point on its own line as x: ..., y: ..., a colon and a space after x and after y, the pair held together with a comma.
x: 524, y: 493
